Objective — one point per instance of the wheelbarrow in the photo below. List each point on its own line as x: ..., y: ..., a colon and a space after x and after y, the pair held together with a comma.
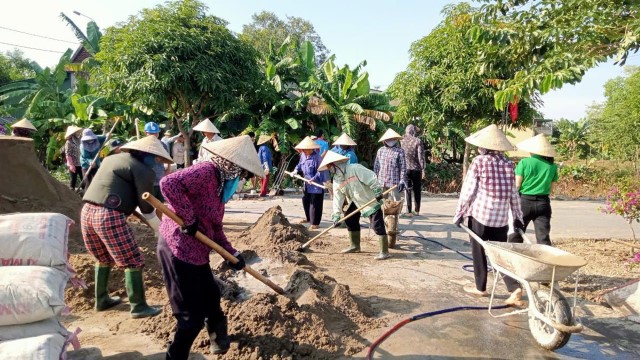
x: 551, y: 319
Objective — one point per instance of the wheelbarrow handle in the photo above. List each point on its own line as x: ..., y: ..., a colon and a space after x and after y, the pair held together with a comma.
x: 210, y: 243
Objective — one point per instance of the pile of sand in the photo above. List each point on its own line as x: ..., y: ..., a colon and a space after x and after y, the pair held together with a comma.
x: 26, y: 186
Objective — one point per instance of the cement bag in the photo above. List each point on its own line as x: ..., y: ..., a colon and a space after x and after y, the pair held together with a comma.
x: 30, y: 293
x: 34, y: 239
x: 50, y: 326
x: 44, y: 347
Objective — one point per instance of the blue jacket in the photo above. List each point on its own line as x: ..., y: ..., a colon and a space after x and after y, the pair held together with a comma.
x: 353, y: 158
x: 309, y: 166
x: 264, y: 154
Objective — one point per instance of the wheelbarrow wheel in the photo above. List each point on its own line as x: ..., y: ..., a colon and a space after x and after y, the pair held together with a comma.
x: 560, y: 311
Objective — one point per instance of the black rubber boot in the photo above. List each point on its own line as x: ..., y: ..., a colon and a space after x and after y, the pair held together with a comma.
x: 103, y: 300
x: 135, y: 291
x: 219, y: 337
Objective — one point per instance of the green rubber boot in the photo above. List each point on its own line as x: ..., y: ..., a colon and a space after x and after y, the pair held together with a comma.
x: 384, y: 248
x: 103, y: 300
x: 354, y: 237
x: 135, y: 291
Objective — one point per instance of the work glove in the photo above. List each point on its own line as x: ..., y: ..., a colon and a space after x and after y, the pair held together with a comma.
x: 336, y: 221
x: 517, y: 224
x: 240, y: 264
x: 300, y: 173
x: 190, y: 229
x: 266, y: 170
x: 402, y: 186
x: 153, y: 221
x: 459, y: 221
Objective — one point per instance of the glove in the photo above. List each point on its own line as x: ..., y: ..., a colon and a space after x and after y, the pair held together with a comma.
x: 190, y: 229
x: 401, y: 186
x: 517, y: 224
x: 336, y: 221
x: 300, y: 173
x: 240, y: 264
x: 424, y: 175
x: 459, y: 221
x: 266, y: 170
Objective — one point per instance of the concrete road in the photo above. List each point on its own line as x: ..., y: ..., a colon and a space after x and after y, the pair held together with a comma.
x: 439, y: 278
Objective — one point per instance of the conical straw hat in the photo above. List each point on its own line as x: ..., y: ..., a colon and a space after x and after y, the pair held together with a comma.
x: 537, y: 145
x: 263, y: 139
x: 149, y: 144
x: 390, y: 134
x: 344, y: 139
x: 490, y: 138
x: 240, y: 151
x: 206, y: 126
x: 307, y: 144
x: 329, y: 158
x: 72, y: 130
x: 25, y: 124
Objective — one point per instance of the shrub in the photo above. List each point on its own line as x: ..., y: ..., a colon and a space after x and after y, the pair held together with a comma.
x: 625, y: 203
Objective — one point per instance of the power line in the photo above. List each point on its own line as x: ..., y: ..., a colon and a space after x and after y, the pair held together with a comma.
x: 32, y: 48
x: 42, y: 36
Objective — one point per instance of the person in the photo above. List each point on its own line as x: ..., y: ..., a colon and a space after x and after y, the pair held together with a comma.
x: 535, y: 176
x: 23, y: 128
x: 72, y: 154
x: 198, y: 195
x: 307, y: 167
x: 178, y: 151
x: 211, y: 134
x: 360, y: 186
x: 413, y: 148
x: 90, y: 145
x: 113, y: 195
x: 389, y: 165
x: 254, y: 179
x: 488, y: 191
x: 266, y: 160
x: 319, y: 139
x: 115, y: 147
x: 160, y: 169
x: 345, y: 146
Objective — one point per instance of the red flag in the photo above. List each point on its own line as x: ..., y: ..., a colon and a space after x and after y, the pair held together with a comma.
x: 513, y: 110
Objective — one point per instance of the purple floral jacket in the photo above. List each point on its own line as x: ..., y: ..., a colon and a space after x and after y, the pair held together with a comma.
x: 192, y: 194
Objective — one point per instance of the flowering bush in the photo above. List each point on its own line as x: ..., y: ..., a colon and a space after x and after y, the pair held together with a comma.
x: 625, y: 203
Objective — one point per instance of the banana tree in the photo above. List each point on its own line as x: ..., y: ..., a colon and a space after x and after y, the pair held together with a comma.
x: 90, y: 41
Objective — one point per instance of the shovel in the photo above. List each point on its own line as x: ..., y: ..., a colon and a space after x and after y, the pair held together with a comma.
x: 306, y: 245
x: 210, y: 243
x: 296, y: 176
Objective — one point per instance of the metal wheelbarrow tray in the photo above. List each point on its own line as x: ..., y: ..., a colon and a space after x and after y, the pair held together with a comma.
x: 551, y: 319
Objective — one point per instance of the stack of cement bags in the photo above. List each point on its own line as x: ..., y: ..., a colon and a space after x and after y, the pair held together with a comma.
x: 33, y: 275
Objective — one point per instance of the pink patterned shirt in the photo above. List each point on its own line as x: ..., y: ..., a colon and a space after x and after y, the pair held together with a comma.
x: 192, y: 194
x: 489, y: 190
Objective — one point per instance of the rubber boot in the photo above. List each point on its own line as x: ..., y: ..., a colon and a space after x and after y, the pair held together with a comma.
x: 103, y: 300
x: 384, y: 248
x: 219, y: 337
x: 135, y: 291
x: 354, y: 238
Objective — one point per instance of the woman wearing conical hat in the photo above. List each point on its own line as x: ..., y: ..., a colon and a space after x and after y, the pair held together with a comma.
x: 198, y: 195
x: 356, y: 185
x: 266, y: 161
x: 535, y: 176
x: 72, y: 154
x: 345, y: 146
x: 113, y: 195
x: 390, y: 164
x: 23, y: 128
x: 211, y: 134
x: 488, y: 193
x: 313, y: 196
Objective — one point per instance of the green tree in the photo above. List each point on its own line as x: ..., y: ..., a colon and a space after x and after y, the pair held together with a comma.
x: 442, y: 88
x: 553, y: 42
x: 572, y: 138
x: 178, y: 59
x: 14, y: 66
x: 266, y: 28
x: 616, y: 123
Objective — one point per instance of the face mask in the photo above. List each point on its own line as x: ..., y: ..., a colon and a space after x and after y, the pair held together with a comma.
x: 391, y: 143
x: 150, y: 160
x: 229, y: 188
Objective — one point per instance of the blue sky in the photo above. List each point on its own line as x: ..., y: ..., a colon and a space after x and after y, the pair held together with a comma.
x: 379, y: 31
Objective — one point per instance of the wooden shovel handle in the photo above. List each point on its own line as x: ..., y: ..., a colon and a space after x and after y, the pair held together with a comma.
x: 306, y: 245
x: 210, y: 243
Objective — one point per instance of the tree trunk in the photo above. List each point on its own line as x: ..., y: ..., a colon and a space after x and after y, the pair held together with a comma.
x: 467, y: 152
x: 187, y: 143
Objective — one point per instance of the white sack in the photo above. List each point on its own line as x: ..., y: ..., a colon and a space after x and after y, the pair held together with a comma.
x: 34, y: 239
x: 50, y: 326
x: 30, y: 293
x: 44, y: 347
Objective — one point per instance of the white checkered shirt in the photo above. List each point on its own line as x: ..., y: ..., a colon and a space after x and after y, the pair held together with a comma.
x: 489, y: 190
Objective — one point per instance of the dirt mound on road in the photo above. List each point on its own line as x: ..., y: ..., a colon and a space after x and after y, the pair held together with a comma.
x: 26, y: 186
x: 273, y: 236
